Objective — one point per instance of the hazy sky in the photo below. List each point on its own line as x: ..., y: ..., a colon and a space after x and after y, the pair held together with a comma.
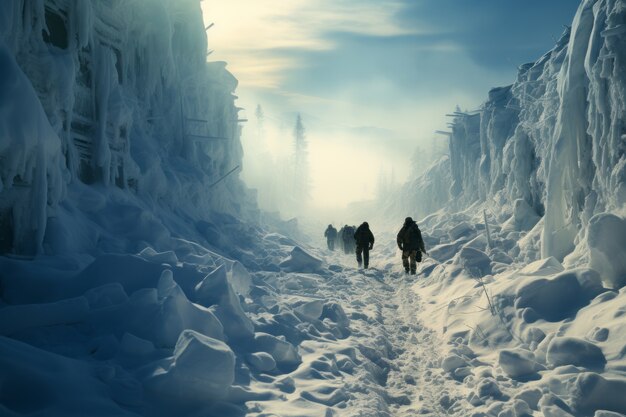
x: 394, y: 65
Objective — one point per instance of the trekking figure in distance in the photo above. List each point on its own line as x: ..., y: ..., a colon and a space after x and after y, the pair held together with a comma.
x: 347, y: 237
x: 364, y: 239
x: 331, y: 236
x: 411, y: 244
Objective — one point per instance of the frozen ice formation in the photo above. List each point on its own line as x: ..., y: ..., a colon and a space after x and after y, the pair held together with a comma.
x: 113, y: 94
x: 551, y: 146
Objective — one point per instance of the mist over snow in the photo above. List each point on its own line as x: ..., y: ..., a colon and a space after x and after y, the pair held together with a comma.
x: 162, y: 249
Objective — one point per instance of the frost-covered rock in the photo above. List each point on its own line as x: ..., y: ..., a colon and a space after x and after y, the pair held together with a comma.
x: 573, y: 351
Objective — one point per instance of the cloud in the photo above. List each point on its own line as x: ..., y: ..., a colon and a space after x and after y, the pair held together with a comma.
x: 495, y: 33
x: 398, y: 65
x: 256, y: 37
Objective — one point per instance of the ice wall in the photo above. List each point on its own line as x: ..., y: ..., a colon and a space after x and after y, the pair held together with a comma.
x: 112, y: 95
x: 556, y: 139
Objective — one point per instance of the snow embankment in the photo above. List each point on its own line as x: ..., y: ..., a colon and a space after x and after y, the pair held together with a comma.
x: 156, y: 333
x: 522, y: 338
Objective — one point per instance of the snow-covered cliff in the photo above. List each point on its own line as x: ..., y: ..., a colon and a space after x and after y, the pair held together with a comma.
x: 99, y: 97
x: 553, y: 145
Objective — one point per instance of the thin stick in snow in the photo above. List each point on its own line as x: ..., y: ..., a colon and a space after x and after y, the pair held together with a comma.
x: 225, y: 175
x: 489, y: 241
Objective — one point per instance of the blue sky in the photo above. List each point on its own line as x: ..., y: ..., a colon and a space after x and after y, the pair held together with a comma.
x: 304, y: 55
x: 395, y: 65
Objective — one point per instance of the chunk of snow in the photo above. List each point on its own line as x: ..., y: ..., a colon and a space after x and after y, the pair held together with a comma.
x: 453, y: 362
x: 168, y: 257
x: 607, y: 244
x: 547, y: 266
x: 574, y: 351
x: 488, y: 388
x: 261, y: 361
x: 524, y: 217
x: 106, y: 295
x: 215, y: 289
x: 463, y: 229
x: 557, y: 298
x: 203, y: 369
x: 22, y: 317
x: 300, y: 261
x: 284, y: 353
x: 530, y: 396
x: 518, y: 363
x: 133, y: 345
x: 310, y: 310
x: 476, y: 262
x: 593, y: 392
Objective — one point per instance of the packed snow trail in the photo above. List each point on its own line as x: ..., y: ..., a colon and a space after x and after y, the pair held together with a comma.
x: 389, y: 363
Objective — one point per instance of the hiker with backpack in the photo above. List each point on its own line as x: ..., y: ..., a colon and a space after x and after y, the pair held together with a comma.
x: 411, y: 244
x: 347, y: 237
x: 331, y: 237
x: 364, y: 239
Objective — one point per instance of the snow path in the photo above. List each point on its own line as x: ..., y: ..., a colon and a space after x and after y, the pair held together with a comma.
x: 396, y: 358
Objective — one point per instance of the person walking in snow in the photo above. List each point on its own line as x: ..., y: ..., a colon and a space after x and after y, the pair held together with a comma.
x: 331, y: 237
x: 364, y: 239
x: 347, y: 238
x: 411, y: 244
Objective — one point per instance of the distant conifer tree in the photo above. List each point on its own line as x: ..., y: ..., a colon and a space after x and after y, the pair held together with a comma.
x: 301, y: 180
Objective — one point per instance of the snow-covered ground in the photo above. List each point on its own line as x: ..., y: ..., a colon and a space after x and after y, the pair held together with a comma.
x: 138, y: 279
x: 190, y: 332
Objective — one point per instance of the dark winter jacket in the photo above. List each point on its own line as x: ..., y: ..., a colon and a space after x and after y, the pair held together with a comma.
x: 330, y: 233
x: 410, y: 238
x: 347, y: 233
x: 364, y: 236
